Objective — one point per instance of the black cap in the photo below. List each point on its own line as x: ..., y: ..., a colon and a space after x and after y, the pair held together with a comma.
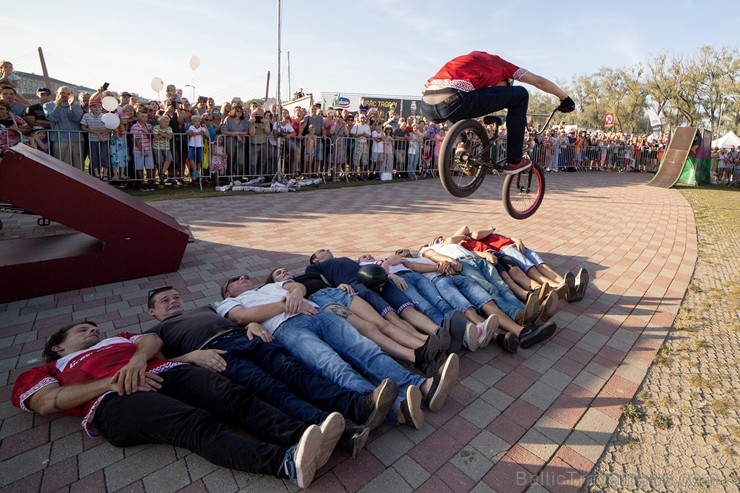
x: 45, y: 90
x: 125, y: 93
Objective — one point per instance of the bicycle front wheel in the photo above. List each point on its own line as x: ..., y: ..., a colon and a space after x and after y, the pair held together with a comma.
x: 459, y: 158
x: 523, y: 193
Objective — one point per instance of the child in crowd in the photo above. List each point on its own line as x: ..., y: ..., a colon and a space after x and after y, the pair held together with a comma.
x: 97, y: 136
x: 309, y: 150
x: 376, y: 156
x: 162, y: 134
x: 119, y: 152
x: 195, y: 134
x: 386, y: 165
x: 142, y: 131
x: 7, y: 76
x: 39, y: 140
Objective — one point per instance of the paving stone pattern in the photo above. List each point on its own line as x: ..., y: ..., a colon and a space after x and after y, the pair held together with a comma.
x: 536, y: 421
x: 685, y: 433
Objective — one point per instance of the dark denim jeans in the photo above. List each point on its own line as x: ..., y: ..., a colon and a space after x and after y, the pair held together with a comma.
x: 190, y: 411
x: 481, y: 102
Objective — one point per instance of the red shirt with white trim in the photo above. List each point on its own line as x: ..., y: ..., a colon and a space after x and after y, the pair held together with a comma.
x: 102, y: 360
x: 476, y: 70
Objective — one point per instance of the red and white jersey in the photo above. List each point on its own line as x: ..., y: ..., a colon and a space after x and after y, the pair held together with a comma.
x: 476, y: 70
x: 102, y: 360
x: 493, y: 241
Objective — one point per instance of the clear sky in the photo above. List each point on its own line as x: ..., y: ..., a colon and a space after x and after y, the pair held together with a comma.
x: 387, y: 47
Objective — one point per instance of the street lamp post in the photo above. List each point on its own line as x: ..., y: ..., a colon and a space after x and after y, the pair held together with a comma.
x: 192, y: 101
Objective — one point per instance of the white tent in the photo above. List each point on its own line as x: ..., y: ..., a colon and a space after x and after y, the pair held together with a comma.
x: 727, y: 140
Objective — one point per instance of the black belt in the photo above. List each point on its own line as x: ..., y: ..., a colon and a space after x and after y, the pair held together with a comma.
x: 221, y: 337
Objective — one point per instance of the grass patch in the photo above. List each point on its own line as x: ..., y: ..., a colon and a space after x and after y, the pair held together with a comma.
x: 661, y: 357
x: 644, y: 398
x: 631, y: 413
x: 735, y: 431
x: 720, y: 406
x: 700, y: 344
x: 667, y: 401
x: 700, y: 382
x: 662, y: 421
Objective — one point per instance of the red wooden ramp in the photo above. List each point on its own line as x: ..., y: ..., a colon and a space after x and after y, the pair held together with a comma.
x: 118, y: 236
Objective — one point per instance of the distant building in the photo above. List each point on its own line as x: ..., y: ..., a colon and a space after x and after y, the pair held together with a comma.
x: 30, y: 82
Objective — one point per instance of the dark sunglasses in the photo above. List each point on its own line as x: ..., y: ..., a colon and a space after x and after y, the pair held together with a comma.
x: 235, y: 278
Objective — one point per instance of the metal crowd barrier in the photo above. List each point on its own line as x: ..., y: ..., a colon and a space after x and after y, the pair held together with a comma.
x: 332, y: 159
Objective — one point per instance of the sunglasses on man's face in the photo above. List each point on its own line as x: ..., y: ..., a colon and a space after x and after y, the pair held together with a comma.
x: 235, y: 278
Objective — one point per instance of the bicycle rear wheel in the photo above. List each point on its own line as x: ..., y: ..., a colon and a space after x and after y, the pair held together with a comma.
x: 523, y: 193
x: 459, y: 158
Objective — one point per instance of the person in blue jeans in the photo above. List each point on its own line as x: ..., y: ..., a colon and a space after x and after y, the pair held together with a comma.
x: 428, y: 299
x: 330, y: 346
x: 461, y: 293
x: 513, y: 315
x: 206, y: 339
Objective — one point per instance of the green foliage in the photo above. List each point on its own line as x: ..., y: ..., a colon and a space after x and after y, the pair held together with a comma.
x: 701, y: 89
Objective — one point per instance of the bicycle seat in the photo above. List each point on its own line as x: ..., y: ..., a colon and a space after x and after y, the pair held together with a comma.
x: 492, y: 120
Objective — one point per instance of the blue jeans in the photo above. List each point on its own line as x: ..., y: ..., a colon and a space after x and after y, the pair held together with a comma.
x: 331, y: 296
x: 526, y: 259
x: 268, y: 370
x: 485, y: 274
x: 462, y: 292
x: 330, y: 346
x: 461, y: 105
x: 425, y: 296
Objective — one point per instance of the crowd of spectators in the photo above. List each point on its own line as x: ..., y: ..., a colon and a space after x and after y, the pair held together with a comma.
x: 175, y: 141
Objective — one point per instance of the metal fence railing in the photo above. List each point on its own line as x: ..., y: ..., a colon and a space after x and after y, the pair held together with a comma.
x: 140, y: 159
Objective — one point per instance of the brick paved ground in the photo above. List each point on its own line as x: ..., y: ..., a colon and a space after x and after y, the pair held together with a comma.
x: 684, y: 434
x: 537, y: 421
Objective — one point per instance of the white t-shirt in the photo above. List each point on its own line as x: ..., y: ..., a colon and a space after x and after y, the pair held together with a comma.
x: 197, y: 139
x: 452, y: 250
x: 269, y: 293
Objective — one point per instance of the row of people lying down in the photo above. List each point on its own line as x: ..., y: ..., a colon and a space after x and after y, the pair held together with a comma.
x: 317, y: 364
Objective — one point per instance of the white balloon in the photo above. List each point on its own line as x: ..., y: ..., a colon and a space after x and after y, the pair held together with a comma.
x: 111, y: 121
x: 157, y: 84
x: 110, y: 103
x: 194, y: 62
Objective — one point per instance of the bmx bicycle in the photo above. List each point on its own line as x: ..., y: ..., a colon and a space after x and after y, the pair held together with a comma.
x: 468, y: 153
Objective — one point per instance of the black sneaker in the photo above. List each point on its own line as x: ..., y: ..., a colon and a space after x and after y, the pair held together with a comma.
x: 581, y: 284
x: 570, y: 282
x: 508, y: 341
x: 442, y: 383
x: 427, y: 356
x: 455, y: 324
x: 534, y: 334
x: 376, y: 404
x: 514, y: 168
x: 354, y: 438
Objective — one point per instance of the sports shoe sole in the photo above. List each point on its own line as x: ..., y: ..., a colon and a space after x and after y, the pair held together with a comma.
x: 489, y: 326
x: 529, y: 313
x: 455, y: 324
x: 411, y: 408
x: 570, y: 282
x: 582, y: 281
x: 307, y: 451
x: 471, y: 337
x: 447, y: 378
x: 517, y: 171
x: 549, y: 306
x: 383, y: 397
x: 331, y: 431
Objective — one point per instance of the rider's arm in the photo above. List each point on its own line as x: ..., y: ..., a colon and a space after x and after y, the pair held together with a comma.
x: 544, y: 85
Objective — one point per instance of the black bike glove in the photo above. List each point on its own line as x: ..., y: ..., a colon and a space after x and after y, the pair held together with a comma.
x: 567, y: 105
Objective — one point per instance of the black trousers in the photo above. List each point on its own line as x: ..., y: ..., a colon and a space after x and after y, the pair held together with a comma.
x: 191, y: 411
